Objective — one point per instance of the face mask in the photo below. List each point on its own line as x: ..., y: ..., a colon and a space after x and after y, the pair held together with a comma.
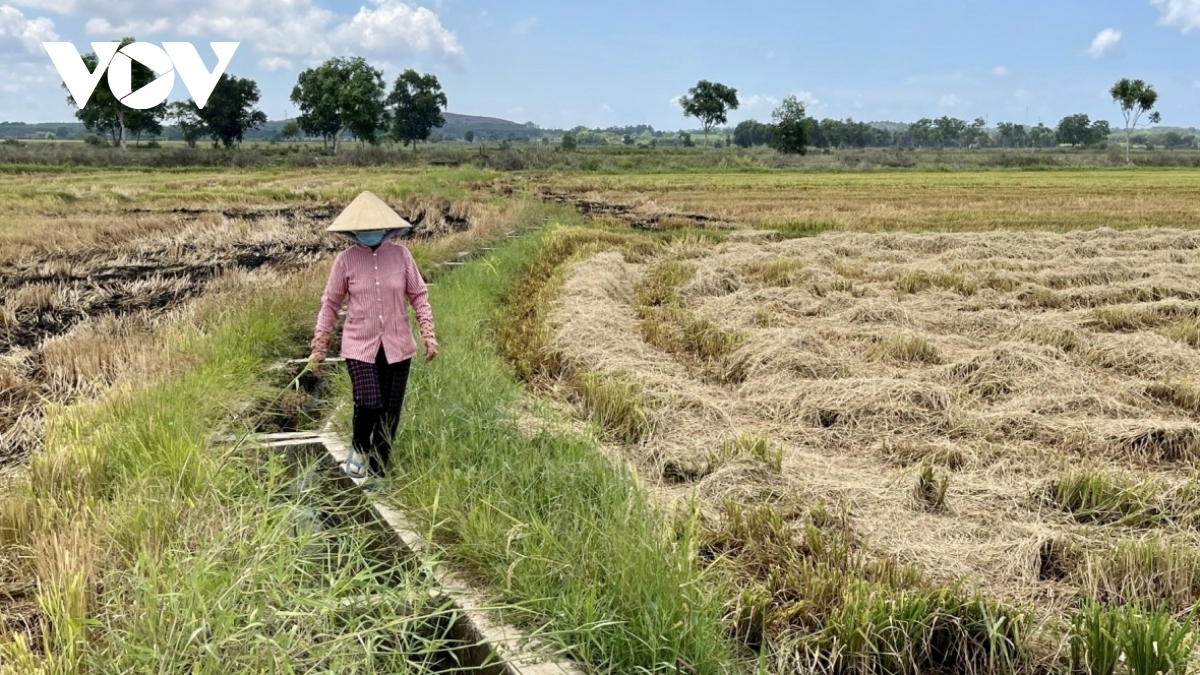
x: 370, y: 237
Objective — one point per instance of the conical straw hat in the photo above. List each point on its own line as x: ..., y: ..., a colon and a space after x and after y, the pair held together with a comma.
x: 368, y: 212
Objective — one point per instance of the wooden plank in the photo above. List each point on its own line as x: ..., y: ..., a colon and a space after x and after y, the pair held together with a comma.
x: 310, y: 436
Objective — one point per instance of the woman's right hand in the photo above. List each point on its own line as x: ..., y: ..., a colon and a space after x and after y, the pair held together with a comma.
x: 320, y: 349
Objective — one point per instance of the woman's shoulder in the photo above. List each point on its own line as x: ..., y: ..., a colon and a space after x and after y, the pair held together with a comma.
x: 398, y: 248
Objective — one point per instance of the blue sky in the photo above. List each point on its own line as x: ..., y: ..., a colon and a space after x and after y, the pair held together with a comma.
x: 619, y: 62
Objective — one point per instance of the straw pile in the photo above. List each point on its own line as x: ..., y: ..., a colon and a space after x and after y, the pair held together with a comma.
x: 1004, y: 359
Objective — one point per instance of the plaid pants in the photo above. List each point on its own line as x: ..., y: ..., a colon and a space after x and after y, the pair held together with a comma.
x: 378, y: 390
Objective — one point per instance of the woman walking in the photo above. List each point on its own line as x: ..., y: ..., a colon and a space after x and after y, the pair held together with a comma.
x: 379, y: 276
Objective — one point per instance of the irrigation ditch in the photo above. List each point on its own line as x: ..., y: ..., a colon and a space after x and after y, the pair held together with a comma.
x: 470, y: 640
x: 297, y: 427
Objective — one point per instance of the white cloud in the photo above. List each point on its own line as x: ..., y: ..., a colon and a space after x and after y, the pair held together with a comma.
x: 1183, y: 14
x: 524, y: 25
x: 100, y: 26
x: 282, y: 33
x: 272, y: 64
x: 675, y: 101
x: 60, y: 6
x: 1104, y: 43
x: 758, y: 101
x: 398, y: 28
x: 22, y: 36
x: 807, y: 98
x: 1000, y: 71
x: 948, y: 101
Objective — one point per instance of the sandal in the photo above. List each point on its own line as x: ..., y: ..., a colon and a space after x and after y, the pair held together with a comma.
x: 354, y: 466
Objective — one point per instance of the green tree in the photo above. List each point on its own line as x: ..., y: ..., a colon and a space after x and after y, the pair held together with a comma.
x: 105, y: 114
x: 1041, y: 136
x: 1011, y: 135
x: 709, y: 102
x: 569, y: 142
x: 752, y: 132
x: 341, y: 95
x: 416, y: 104
x: 186, y: 117
x: 469, y: 136
x: 62, y: 132
x: 790, y: 128
x: 230, y: 112
x: 685, y: 139
x: 1079, y: 130
x: 921, y: 132
x: 975, y: 134
x: 1135, y: 98
x: 950, y: 130
x: 627, y: 139
x: 291, y: 130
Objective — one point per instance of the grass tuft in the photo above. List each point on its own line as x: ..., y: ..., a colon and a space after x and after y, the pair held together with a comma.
x: 919, y: 281
x: 1094, y: 497
x: 668, y: 325
x: 1182, y: 394
x: 1186, y: 331
x: 1149, y: 642
x: 616, y: 405
x: 819, y: 604
x: 906, y: 348
x: 930, y: 489
x: 749, y: 445
x: 778, y: 272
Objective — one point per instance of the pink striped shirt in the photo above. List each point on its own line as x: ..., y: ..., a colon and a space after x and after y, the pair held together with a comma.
x: 378, y: 283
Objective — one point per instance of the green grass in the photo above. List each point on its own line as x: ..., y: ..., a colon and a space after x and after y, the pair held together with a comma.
x: 1094, y: 497
x: 669, y: 325
x: 814, y: 602
x: 930, y: 490
x: 550, y: 524
x: 906, y: 348
x: 748, y: 446
x: 1145, y: 642
x: 154, y: 550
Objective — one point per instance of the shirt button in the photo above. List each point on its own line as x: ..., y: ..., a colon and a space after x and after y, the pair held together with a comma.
x: 381, y: 317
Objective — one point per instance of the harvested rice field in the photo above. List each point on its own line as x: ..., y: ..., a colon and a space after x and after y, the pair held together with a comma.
x: 1013, y: 413
x: 800, y: 202
x: 851, y: 424
x: 92, y: 264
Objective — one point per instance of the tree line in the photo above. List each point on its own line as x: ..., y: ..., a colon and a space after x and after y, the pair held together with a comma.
x: 348, y: 97
x: 341, y: 96
x: 792, y: 130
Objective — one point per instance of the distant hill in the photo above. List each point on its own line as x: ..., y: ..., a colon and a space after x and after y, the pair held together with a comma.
x: 485, y: 128
x: 488, y: 127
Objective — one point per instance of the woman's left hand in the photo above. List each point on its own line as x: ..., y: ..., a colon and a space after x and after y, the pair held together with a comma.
x: 431, y: 349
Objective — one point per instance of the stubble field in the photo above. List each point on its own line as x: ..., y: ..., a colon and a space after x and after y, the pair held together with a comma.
x: 890, y: 422
x: 1006, y: 407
